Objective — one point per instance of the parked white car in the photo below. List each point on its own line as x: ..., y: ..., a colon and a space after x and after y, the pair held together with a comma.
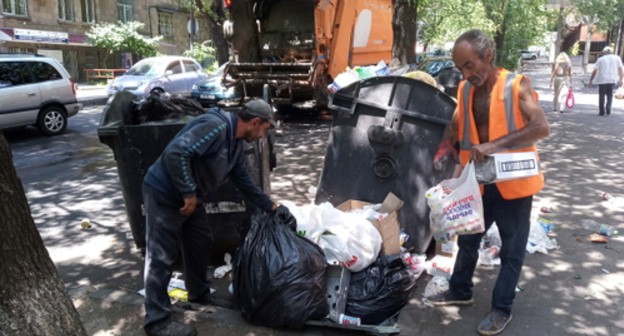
x: 529, y: 55
x: 36, y: 90
x: 171, y: 74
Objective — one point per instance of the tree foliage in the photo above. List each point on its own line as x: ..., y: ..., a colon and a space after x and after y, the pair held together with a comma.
x: 123, y: 37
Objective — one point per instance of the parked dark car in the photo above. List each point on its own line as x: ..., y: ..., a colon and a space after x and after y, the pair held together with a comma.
x: 212, y: 91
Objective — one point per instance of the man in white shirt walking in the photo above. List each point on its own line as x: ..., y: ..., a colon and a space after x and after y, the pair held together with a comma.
x: 610, y: 70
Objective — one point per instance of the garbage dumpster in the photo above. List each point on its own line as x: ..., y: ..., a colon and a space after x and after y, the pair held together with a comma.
x: 136, y: 147
x: 383, y: 138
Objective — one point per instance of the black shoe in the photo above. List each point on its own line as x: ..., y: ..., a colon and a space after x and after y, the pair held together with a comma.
x: 494, y: 323
x: 448, y: 299
x: 170, y: 328
x: 205, y: 299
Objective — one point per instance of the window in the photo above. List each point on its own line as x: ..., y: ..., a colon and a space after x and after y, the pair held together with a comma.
x: 175, y: 67
x: 88, y: 11
x: 125, y: 9
x: 66, y: 10
x: 190, y: 66
x: 14, y: 73
x: 14, y: 7
x: 45, y: 72
x: 165, y: 24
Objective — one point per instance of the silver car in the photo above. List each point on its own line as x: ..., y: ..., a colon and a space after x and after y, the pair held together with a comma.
x: 36, y: 90
x: 171, y: 74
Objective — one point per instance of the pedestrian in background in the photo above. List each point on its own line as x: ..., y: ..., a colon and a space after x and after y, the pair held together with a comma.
x: 198, y: 159
x: 610, y: 70
x: 484, y: 124
x: 561, y: 77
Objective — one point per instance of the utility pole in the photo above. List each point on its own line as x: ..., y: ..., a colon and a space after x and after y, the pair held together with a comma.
x: 193, y: 28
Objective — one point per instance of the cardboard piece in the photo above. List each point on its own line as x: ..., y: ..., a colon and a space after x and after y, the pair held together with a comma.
x: 447, y: 249
x: 389, y: 227
x: 507, y: 166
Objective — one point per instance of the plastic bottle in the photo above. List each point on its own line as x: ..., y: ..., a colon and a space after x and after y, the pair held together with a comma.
x: 603, y: 229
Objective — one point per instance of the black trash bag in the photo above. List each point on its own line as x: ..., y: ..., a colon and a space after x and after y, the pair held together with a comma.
x: 280, y: 279
x: 380, y: 291
x: 156, y: 107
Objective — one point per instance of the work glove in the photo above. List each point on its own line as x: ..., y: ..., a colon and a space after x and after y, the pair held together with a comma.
x: 285, y: 217
x: 446, y: 153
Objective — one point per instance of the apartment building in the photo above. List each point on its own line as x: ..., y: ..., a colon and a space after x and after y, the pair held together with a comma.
x: 57, y: 28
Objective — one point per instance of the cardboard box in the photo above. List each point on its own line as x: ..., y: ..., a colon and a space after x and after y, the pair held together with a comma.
x: 507, y: 166
x: 447, y: 249
x: 389, y: 227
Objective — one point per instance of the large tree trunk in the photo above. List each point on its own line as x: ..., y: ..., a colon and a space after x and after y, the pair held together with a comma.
x: 404, y: 18
x: 33, y: 300
x: 216, y: 32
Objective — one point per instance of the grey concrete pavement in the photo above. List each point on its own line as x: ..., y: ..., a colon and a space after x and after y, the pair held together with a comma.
x: 575, y: 290
x: 89, y: 94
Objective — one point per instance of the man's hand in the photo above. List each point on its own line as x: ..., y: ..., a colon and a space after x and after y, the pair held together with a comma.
x: 479, y: 152
x: 190, y: 202
x: 286, y: 217
x: 445, y: 153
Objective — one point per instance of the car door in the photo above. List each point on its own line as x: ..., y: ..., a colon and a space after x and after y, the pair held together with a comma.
x: 19, y: 94
x: 192, y: 74
x: 174, y: 78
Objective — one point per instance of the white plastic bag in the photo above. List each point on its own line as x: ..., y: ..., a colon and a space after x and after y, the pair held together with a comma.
x: 456, y: 206
x: 619, y: 93
x: 347, y: 239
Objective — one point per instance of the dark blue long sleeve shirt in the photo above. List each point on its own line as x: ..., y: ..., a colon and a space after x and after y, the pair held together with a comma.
x: 201, y: 156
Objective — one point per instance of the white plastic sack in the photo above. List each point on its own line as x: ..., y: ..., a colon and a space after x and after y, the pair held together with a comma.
x: 437, y: 285
x: 456, y: 206
x: 538, y: 239
x: 347, y: 239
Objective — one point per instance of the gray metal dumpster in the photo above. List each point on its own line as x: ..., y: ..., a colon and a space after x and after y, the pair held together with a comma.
x: 136, y: 147
x: 383, y: 138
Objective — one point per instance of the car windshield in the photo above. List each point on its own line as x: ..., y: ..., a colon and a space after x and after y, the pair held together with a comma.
x: 147, y: 68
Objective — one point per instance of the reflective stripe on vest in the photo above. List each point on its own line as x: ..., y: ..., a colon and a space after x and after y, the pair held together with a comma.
x: 508, y: 98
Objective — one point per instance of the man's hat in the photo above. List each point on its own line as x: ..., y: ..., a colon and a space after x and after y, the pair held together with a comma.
x: 607, y: 50
x: 261, y: 109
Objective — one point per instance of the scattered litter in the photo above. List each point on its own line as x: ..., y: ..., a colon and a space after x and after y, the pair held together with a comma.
x: 489, y: 249
x: 416, y: 263
x: 427, y: 303
x: 603, y: 229
x: 577, y: 276
x: 539, y: 240
x: 221, y: 271
x: 437, y: 285
x: 546, y: 209
x: 606, y: 271
x: 85, y: 223
x: 519, y: 289
x: 597, y: 238
x: 129, y: 235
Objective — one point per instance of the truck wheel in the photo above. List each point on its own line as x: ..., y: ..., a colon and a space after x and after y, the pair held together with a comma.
x: 228, y: 29
x: 52, y: 120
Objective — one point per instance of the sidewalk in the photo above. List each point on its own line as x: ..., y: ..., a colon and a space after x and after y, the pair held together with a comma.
x: 89, y: 94
x: 575, y: 290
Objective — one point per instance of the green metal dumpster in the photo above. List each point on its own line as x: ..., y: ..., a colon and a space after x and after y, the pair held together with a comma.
x: 384, y: 134
x: 136, y: 147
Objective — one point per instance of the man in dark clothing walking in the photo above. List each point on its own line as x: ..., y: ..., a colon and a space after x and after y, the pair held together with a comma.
x: 202, y: 155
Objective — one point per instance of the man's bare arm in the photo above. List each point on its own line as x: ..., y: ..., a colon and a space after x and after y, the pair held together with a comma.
x: 535, y: 127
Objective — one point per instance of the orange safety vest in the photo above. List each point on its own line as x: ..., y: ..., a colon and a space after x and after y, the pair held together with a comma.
x: 505, y: 117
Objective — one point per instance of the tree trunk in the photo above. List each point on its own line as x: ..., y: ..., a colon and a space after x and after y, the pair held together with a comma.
x: 588, y: 39
x: 404, y: 27
x: 33, y: 300
x: 222, y: 52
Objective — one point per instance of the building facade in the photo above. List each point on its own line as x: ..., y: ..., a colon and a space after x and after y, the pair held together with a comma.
x: 57, y: 28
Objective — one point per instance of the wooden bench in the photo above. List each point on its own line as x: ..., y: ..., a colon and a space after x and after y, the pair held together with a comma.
x: 91, y: 74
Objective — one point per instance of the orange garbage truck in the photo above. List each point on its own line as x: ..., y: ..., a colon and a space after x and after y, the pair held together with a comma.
x: 295, y: 48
